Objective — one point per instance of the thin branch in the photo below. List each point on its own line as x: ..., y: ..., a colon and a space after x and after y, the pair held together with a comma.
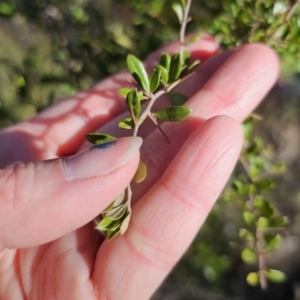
x: 292, y: 10
x: 183, y: 25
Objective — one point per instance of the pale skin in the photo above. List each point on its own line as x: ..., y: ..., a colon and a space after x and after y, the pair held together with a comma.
x: 49, y: 249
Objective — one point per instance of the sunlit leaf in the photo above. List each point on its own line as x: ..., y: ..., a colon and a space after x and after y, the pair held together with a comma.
x: 252, y: 279
x: 192, y: 40
x: 264, y: 207
x: 172, y: 114
x: 248, y: 256
x: 177, y: 99
x: 112, y: 234
x: 165, y: 61
x: 133, y: 102
x: 175, y: 68
x: 248, y: 217
x: 245, y: 234
x: 275, y: 275
x: 272, y: 242
x: 279, y: 222
x: 137, y: 70
x: 102, y: 226
x: 125, y: 224
x: 124, y: 91
x: 117, y: 212
x: 193, y: 64
x: 263, y: 222
x: 178, y: 10
x: 119, y: 199
x: 141, y: 172
x: 99, y: 138
x: 164, y: 74
x: 126, y: 123
x: 154, y: 80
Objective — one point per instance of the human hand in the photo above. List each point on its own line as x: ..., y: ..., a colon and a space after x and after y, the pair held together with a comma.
x: 50, y: 249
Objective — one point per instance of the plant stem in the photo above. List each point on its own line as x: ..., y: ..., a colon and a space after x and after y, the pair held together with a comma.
x: 183, y: 25
x: 292, y: 10
x: 261, y: 259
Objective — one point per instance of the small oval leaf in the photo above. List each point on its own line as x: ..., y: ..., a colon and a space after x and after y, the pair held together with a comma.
x: 119, y: 199
x: 125, y: 224
x: 248, y: 256
x: 275, y: 275
x: 141, y: 172
x: 178, y: 10
x: 172, y: 114
x: 248, y: 217
x: 138, y: 71
x: 126, y: 123
x: 103, y: 225
x: 97, y: 138
x: 112, y: 234
x: 164, y: 74
x: 252, y: 279
x: 165, y: 61
x: 124, y: 91
x: 133, y: 103
x: 117, y: 212
x: 175, y: 68
x: 177, y: 99
x: 193, y: 64
x: 272, y: 242
x: 154, y: 80
x: 192, y: 40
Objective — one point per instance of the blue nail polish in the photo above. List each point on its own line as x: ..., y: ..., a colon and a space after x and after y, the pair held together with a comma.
x: 104, y: 145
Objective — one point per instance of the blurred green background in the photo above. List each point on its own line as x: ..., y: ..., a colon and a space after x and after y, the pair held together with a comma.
x: 51, y: 49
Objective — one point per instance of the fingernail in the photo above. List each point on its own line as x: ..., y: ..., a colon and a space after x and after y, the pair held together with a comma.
x: 101, y: 159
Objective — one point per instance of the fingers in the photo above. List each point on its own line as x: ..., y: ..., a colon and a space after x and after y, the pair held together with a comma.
x: 168, y: 216
x: 41, y: 201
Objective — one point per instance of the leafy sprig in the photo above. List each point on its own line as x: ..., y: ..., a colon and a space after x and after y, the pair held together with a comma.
x: 167, y: 74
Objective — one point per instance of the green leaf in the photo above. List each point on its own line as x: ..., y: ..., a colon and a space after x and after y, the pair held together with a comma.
x: 126, y: 123
x: 193, y: 64
x: 124, y: 91
x: 192, y: 40
x: 175, y: 68
x: 178, y: 10
x: 265, y: 184
x: 248, y: 256
x: 141, y: 172
x: 102, y: 226
x: 164, y: 74
x: 263, y: 207
x: 137, y: 70
x: 117, y: 212
x: 133, y: 103
x: 183, y: 2
x: 112, y: 234
x: 125, y: 224
x: 248, y: 217
x: 275, y: 275
x: 246, y: 235
x: 165, y: 61
x: 252, y: 279
x: 263, y: 222
x: 186, y: 57
x: 119, y: 199
x: 177, y: 99
x: 172, y: 114
x: 154, y: 80
x: 99, y: 138
x: 272, y: 242
x: 279, y: 222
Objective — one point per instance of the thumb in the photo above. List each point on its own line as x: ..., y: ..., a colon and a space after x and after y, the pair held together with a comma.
x: 41, y: 201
